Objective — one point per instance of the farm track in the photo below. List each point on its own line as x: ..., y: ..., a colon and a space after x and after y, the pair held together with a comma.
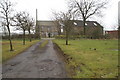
x: 35, y: 63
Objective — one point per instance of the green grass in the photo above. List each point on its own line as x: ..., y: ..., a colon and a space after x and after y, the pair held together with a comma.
x: 17, y: 46
x: 44, y: 44
x: 87, y: 62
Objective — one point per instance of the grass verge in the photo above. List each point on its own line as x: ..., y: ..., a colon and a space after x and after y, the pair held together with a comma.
x: 17, y: 46
x: 91, y: 58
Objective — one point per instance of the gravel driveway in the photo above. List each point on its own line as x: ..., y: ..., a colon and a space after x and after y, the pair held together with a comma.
x: 35, y: 63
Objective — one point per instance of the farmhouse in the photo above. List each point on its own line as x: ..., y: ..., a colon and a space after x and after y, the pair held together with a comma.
x: 49, y: 27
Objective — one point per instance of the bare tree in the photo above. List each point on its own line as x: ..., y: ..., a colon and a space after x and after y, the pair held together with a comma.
x: 4, y: 29
x: 30, y: 27
x: 21, y: 20
x: 56, y: 19
x: 6, y: 9
x: 87, y: 8
x: 67, y: 24
x: 33, y: 29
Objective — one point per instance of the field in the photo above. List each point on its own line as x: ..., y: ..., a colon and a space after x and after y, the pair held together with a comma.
x: 17, y: 46
x: 91, y: 58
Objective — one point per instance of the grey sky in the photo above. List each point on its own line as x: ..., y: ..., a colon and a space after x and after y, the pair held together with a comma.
x: 45, y: 7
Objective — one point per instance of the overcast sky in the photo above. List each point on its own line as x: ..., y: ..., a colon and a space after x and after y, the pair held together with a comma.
x: 45, y: 7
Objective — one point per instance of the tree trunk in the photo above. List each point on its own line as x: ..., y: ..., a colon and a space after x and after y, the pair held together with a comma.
x: 23, y: 37
x: 59, y: 30
x: 66, y: 38
x: 30, y: 35
x: 11, y: 47
x: 84, y: 21
x: 66, y: 41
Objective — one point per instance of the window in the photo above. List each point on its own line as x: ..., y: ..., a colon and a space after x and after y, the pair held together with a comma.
x: 61, y: 30
x: 95, y: 24
x: 75, y: 23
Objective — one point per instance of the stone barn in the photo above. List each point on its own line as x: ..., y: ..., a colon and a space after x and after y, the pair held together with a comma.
x: 49, y: 27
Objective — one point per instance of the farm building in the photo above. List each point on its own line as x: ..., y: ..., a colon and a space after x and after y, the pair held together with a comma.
x: 112, y: 34
x: 49, y: 27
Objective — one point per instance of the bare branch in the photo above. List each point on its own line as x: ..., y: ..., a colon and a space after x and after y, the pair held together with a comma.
x: 87, y: 8
x: 6, y: 7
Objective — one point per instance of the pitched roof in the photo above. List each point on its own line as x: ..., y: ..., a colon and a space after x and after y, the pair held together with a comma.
x: 79, y: 23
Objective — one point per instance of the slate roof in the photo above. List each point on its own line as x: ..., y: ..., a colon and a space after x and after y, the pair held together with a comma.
x: 79, y: 23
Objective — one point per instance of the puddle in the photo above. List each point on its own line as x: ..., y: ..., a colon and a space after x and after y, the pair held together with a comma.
x: 47, y: 60
x: 116, y: 50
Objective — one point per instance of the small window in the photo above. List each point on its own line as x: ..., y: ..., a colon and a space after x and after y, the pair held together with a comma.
x: 62, y: 30
x: 75, y: 23
x: 95, y: 24
x: 86, y: 24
